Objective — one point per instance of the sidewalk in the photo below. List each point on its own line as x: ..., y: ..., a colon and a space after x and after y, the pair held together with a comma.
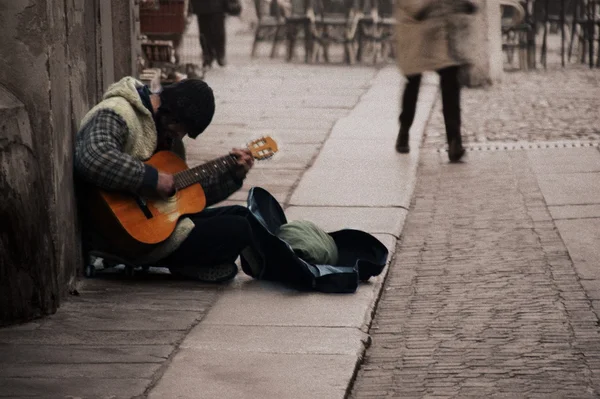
x: 163, y: 338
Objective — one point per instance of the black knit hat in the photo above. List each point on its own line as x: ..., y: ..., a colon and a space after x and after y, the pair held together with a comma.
x: 190, y: 102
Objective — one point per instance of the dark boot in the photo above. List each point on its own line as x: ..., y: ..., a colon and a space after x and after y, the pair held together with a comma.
x: 221, y: 61
x: 402, y: 142
x: 409, y: 106
x: 450, y: 87
x: 455, y: 149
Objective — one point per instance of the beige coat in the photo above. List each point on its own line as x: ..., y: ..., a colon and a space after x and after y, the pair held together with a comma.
x: 441, y: 39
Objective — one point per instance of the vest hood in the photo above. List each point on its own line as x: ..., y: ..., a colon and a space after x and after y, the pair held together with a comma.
x: 126, y: 88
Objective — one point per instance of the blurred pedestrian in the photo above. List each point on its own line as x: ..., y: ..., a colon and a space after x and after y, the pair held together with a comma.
x: 211, y: 21
x: 433, y: 35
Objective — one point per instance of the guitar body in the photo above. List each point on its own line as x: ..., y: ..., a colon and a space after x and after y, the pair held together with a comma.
x: 134, y: 225
x: 157, y: 225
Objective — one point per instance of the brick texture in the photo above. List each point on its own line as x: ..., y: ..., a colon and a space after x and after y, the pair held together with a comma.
x: 482, y: 299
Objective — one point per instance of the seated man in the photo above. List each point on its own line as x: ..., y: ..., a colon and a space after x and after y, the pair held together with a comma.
x: 128, y: 127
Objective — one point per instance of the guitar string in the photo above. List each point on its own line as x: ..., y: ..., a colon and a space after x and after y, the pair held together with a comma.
x: 194, y: 175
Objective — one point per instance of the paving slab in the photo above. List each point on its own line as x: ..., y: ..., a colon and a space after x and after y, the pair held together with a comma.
x: 224, y: 111
x: 324, y: 90
x: 581, y: 236
x: 575, y: 211
x: 48, y: 354
x: 276, y: 339
x: 260, y: 303
x: 69, y: 337
x: 570, y: 188
x: 197, y: 373
x: 291, y: 123
x: 361, y: 128
x: 327, y: 114
x: 368, y: 186
x: 277, y: 182
x: 72, y: 387
x: 388, y: 109
x: 69, y: 370
x: 370, y: 154
x: 565, y: 160
x: 124, y: 319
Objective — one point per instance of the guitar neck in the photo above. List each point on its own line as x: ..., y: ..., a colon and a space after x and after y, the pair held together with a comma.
x: 199, y: 173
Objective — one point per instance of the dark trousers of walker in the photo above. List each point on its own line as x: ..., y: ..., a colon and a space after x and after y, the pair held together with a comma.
x: 450, y: 88
x: 212, y: 37
x: 219, y: 235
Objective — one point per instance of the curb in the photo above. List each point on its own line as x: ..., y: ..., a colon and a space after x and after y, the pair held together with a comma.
x: 427, y: 99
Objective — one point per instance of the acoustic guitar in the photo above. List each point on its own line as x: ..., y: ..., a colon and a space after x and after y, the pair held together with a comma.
x: 150, y: 220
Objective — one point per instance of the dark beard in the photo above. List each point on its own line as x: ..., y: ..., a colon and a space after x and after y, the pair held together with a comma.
x: 164, y: 141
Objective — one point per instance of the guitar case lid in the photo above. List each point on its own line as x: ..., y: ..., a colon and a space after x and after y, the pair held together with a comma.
x: 361, y: 256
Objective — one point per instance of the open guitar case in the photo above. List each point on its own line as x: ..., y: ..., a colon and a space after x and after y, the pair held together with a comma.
x: 361, y: 256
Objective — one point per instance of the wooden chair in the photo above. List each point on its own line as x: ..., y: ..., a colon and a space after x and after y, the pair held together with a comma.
x: 270, y: 25
x: 515, y: 31
x: 586, y: 29
x: 298, y: 24
x: 375, y: 34
x: 335, y: 22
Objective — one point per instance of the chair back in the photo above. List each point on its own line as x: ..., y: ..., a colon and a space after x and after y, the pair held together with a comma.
x: 382, y: 7
x: 330, y: 8
x: 267, y: 8
x: 298, y: 7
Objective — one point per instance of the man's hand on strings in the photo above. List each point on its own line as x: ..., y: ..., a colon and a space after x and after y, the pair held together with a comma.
x: 245, y: 161
x: 165, y: 186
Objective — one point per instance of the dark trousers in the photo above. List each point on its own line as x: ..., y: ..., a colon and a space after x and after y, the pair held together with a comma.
x: 219, y: 236
x: 212, y: 37
x: 450, y: 88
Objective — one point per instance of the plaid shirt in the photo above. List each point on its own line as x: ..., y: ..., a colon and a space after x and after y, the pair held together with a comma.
x: 100, y: 160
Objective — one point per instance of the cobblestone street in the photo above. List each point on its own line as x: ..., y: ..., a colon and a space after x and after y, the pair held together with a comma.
x: 484, y: 299
x: 558, y: 104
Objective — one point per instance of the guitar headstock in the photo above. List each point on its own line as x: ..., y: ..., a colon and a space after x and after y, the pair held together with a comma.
x: 263, y: 148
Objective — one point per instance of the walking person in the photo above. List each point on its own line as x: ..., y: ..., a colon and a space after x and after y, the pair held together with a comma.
x: 433, y: 35
x: 211, y: 22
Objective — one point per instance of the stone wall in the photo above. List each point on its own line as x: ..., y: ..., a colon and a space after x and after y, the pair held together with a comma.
x: 48, y: 64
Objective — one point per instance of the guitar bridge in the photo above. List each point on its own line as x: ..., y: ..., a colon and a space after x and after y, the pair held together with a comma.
x: 143, y: 206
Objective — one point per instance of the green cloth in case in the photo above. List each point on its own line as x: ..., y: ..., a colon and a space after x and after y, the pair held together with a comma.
x: 310, y: 242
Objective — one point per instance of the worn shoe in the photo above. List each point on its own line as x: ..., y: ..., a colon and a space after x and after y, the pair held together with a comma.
x: 455, y: 151
x: 211, y: 274
x: 402, y: 142
x: 221, y: 61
